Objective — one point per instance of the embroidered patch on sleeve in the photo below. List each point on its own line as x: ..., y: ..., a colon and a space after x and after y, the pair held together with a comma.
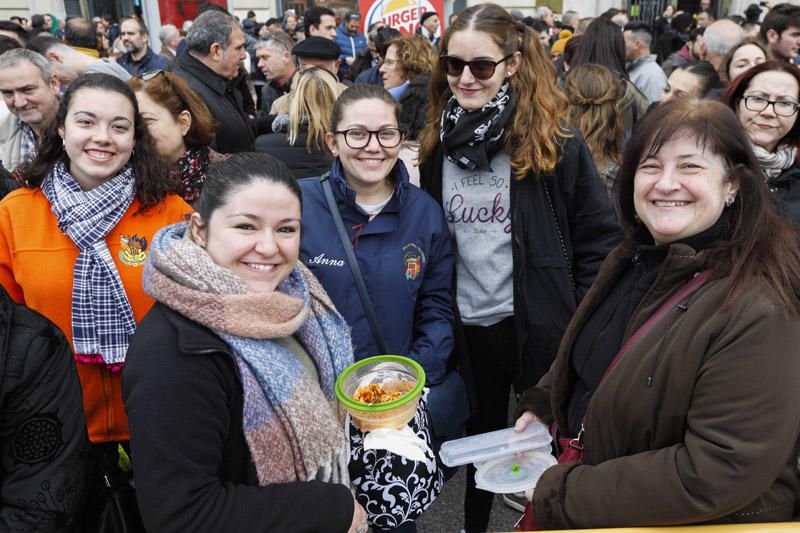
x: 37, y: 439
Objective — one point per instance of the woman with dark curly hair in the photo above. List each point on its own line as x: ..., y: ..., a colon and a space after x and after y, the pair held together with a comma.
x: 74, y: 239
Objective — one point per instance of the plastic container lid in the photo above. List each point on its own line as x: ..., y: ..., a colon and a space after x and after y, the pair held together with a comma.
x: 486, y: 446
x: 505, y: 475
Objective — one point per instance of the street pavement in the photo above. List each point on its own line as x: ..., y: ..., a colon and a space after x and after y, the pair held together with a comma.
x: 446, y: 515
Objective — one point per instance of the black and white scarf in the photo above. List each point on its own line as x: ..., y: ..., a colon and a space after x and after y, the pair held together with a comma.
x: 775, y: 162
x: 470, y: 139
x: 102, y: 318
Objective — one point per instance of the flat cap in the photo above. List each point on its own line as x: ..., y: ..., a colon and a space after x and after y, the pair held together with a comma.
x: 318, y: 47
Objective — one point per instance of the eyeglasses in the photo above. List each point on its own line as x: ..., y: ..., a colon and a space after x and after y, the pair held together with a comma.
x: 359, y: 137
x: 353, y: 17
x: 782, y: 108
x: 481, y: 69
x: 147, y: 76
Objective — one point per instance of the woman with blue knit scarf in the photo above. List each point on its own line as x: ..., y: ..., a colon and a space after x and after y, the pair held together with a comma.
x: 229, y: 382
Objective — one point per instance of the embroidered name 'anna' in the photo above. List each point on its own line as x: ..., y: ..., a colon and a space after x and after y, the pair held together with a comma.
x: 322, y: 260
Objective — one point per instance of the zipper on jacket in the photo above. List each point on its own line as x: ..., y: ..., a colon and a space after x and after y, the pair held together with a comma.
x: 682, y: 308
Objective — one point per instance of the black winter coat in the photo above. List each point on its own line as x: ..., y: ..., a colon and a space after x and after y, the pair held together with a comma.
x: 562, y: 227
x: 300, y: 162
x: 193, y: 469
x: 42, y: 428
x: 786, y: 188
x: 225, y: 102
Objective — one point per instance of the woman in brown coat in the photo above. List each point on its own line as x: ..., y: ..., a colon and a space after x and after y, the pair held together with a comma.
x: 698, y: 420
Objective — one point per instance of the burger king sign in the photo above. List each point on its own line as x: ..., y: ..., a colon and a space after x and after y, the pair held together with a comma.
x: 402, y: 15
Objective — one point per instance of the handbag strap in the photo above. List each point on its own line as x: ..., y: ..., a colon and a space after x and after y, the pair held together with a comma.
x: 695, y: 283
x: 353, y: 262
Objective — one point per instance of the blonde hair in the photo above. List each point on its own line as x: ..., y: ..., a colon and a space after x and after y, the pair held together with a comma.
x: 314, y: 92
x: 531, y: 141
x: 593, y: 92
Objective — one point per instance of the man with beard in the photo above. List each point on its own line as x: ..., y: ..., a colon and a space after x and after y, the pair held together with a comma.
x: 140, y: 58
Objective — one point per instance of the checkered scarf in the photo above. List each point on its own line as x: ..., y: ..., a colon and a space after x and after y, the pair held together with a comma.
x: 27, y: 149
x: 102, y: 319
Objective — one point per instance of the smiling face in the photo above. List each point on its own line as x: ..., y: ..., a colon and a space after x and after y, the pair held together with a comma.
x: 98, y: 135
x: 27, y: 95
x: 681, y: 191
x: 166, y: 130
x: 390, y: 69
x: 255, y: 234
x: 367, y: 167
x: 681, y: 84
x: 468, y: 45
x: 744, y: 58
x: 766, y: 128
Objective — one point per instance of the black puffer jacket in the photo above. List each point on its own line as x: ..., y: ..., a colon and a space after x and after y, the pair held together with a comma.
x: 300, y: 162
x: 786, y: 188
x: 554, y: 263
x: 42, y: 427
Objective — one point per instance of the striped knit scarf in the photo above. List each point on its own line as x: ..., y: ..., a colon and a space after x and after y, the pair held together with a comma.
x: 102, y: 318
x: 291, y: 422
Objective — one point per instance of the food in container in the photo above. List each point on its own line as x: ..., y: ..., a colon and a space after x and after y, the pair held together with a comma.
x: 390, y: 373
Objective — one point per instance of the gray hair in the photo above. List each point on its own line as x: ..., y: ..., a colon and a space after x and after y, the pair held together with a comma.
x: 570, y: 18
x: 12, y: 58
x: 721, y: 36
x: 276, y: 39
x: 542, y: 11
x: 209, y: 28
x: 167, y: 33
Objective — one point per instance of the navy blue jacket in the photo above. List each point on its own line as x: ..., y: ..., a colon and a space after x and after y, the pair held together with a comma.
x: 406, y: 257
x: 150, y: 61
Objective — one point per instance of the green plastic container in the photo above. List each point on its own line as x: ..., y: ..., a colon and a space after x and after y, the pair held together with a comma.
x: 388, y: 371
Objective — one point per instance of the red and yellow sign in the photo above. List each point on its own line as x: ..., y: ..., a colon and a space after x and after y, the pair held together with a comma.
x: 402, y: 15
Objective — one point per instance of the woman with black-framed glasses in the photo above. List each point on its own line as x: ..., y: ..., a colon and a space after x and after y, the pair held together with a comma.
x: 766, y: 98
x: 525, y: 206
x: 181, y: 126
x: 400, y: 240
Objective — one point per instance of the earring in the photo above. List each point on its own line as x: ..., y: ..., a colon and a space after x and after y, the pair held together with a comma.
x: 729, y: 201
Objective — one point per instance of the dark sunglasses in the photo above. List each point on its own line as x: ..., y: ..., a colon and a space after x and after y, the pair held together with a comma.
x: 147, y: 76
x: 481, y: 69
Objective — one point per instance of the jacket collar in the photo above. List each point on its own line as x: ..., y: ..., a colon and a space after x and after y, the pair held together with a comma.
x: 398, y: 174
x: 196, y: 67
x: 194, y: 338
x: 389, y: 218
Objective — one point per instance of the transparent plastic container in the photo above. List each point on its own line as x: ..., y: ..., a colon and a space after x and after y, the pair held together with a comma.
x: 486, y: 446
x: 505, y: 475
x: 393, y: 372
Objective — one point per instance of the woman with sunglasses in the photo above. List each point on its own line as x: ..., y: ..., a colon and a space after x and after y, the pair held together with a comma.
x: 524, y: 203
x: 766, y: 98
x: 181, y: 127
x: 400, y: 240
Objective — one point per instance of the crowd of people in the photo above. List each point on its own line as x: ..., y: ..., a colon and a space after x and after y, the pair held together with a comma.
x: 594, y: 219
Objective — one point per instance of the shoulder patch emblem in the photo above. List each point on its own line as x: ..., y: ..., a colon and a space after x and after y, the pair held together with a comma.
x: 413, y: 259
x: 134, y: 250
